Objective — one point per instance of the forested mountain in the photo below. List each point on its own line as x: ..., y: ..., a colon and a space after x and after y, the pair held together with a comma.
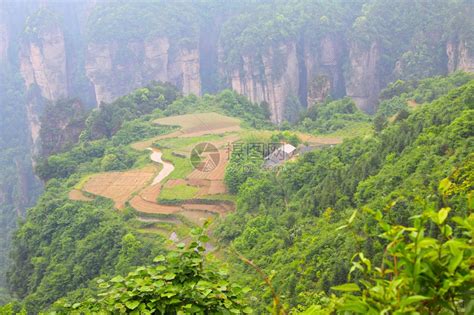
x: 82, y: 80
x: 63, y: 244
x: 287, y: 221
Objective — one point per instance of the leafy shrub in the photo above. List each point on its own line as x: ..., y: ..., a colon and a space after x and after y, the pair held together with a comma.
x: 185, y: 281
x: 419, y: 273
x: 331, y: 116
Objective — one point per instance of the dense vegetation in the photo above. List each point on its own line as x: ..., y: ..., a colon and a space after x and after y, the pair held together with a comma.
x: 186, y: 281
x: 294, y: 220
x: 63, y: 244
x: 226, y: 102
x: 418, y: 273
x: 92, y: 239
x: 288, y: 221
x: 399, y: 95
x: 331, y: 116
x: 16, y: 176
x: 108, y: 118
x: 19, y: 188
x: 61, y: 124
x: 143, y: 20
x: 60, y: 235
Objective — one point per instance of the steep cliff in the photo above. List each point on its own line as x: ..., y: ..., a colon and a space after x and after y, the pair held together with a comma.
x: 362, y: 79
x: 324, y: 63
x: 116, y: 70
x: 306, y: 71
x: 268, y: 78
x: 273, y: 61
x: 460, y: 57
x: 43, y: 63
x: 42, y: 59
x: 18, y: 186
x: 61, y: 125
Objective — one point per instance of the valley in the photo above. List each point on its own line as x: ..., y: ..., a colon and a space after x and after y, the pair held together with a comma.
x: 303, y: 157
x: 170, y: 195
x: 164, y: 184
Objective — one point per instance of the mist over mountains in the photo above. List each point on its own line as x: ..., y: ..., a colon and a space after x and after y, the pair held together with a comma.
x: 308, y: 66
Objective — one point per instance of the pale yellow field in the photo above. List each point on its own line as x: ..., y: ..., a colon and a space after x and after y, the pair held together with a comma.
x: 119, y: 186
x: 193, y: 125
x: 78, y: 195
x: 202, y: 122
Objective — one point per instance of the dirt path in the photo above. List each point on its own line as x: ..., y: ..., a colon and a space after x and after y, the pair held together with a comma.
x: 165, y: 171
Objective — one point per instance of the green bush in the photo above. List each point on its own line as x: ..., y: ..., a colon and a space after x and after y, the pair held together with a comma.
x: 185, y: 281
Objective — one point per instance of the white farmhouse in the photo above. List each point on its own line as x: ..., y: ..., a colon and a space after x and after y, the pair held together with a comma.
x: 280, y: 155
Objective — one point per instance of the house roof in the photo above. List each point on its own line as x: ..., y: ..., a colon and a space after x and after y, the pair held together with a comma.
x: 280, y: 155
x: 287, y: 148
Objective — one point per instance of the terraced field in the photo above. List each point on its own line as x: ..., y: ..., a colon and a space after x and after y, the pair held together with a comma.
x: 204, y: 123
x: 193, y: 125
x: 177, y: 191
x: 170, y: 194
x: 119, y: 186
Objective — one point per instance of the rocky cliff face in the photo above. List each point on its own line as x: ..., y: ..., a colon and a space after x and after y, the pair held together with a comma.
x: 43, y: 68
x: 115, y: 70
x: 460, y: 57
x: 269, y: 78
x: 61, y: 125
x: 18, y: 186
x: 43, y: 64
x: 324, y: 69
x: 363, y: 81
x: 296, y: 69
x: 299, y: 68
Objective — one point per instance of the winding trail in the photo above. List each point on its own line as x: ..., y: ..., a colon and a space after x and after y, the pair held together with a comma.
x: 167, y: 167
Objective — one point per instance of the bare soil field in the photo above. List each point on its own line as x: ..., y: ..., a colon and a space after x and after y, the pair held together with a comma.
x: 175, y: 182
x: 142, y: 205
x: 215, y: 208
x: 215, y: 174
x: 217, y: 187
x: 119, y: 186
x: 151, y: 193
x: 78, y: 195
x: 171, y: 220
x: 316, y: 140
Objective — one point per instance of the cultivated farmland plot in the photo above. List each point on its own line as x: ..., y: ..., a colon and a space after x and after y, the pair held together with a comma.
x: 78, y: 195
x: 185, y: 193
x: 193, y: 125
x: 211, y: 123
x: 119, y: 186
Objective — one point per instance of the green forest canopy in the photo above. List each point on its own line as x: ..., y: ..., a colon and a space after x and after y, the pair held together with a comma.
x: 287, y: 221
